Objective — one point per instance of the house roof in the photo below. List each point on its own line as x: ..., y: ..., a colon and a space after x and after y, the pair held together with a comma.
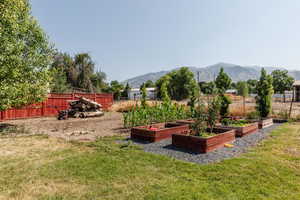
x: 138, y: 89
x: 296, y: 83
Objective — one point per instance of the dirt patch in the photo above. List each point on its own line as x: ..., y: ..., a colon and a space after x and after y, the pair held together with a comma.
x: 111, y: 124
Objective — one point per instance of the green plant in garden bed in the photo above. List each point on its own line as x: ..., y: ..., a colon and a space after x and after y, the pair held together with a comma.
x: 234, y: 123
x: 159, y: 113
x: 205, y: 118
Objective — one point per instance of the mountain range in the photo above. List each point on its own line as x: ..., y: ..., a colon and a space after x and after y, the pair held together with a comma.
x: 236, y: 72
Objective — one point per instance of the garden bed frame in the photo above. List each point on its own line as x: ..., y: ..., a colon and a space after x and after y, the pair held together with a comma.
x: 164, y: 131
x: 264, y: 123
x: 242, y: 131
x: 199, y: 144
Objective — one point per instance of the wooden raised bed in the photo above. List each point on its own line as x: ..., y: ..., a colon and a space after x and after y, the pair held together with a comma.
x: 245, y: 130
x: 159, y: 131
x: 199, y: 144
x: 188, y: 122
x: 264, y: 123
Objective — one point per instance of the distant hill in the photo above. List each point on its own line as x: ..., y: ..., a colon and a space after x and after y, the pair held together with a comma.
x: 236, y: 72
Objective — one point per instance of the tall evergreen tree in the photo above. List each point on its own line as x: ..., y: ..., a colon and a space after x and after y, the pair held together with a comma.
x: 264, y: 94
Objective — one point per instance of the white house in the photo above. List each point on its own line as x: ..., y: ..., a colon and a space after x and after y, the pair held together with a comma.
x: 135, y: 93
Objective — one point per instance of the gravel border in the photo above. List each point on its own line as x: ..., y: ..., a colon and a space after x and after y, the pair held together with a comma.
x: 241, y: 145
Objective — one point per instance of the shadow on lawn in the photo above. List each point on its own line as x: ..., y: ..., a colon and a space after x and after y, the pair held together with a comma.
x: 8, y: 129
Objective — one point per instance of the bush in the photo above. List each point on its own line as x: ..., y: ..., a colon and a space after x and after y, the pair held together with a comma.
x: 224, y: 105
x: 264, y: 94
x: 253, y: 115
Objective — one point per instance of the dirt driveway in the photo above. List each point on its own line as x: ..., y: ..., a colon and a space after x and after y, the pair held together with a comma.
x: 74, y: 129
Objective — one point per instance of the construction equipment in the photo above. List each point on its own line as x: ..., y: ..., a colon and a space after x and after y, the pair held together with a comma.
x: 82, y: 108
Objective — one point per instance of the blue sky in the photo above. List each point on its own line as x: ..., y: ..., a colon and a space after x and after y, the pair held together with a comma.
x: 127, y: 38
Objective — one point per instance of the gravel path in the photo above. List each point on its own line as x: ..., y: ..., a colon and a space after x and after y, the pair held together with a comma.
x: 241, y: 145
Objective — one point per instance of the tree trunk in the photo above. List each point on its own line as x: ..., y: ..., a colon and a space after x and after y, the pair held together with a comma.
x: 283, y: 97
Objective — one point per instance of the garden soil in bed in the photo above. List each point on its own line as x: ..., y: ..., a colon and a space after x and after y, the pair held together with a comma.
x: 241, y: 145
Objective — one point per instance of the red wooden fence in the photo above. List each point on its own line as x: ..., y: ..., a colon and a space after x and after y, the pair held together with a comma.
x: 52, y: 105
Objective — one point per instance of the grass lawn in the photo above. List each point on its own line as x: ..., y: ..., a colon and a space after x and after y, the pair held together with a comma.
x: 37, y: 167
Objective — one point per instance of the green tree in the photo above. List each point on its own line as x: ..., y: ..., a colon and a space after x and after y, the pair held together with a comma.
x: 194, y: 97
x: 282, y: 81
x: 25, y: 56
x: 115, y: 87
x: 223, y: 81
x: 264, y: 94
x: 98, y: 80
x: 252, y: 86
x: 243, y: 90
x: 224, y: 101
x: 85, y: 67
x: 126, y: 91
x: 213, y: 111
x: 59, y: 84
x: 164, y: 93
x: 180, y: 84
x: 208, y: 88
x: 163, y: 80
x: 149, y: 84
x: 144, y: 96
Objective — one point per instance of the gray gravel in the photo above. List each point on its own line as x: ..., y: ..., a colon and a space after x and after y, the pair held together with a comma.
x: 241, y: 145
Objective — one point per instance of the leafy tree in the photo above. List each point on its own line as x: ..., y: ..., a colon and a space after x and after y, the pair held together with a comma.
x: 213, y: 111
x: 59, y: 84
x: 85, y: 67
x: 208, y: 88
x: 98, y: 81
x: 264, y: 94
x: 180, y: 84
x: 243, y: 91
x: 223, y: 81
x: 282, y: 81
x: 252, y: 86
x: 79, y: 71
x: 144, y: 96
x: 149, y: 84
x: 25, y: 56
x: 164, y: 93
x: 163, y: 80
x: 194, y: 96
x: 242, y: 88
x: 125, y: 91
x: 115, y: 88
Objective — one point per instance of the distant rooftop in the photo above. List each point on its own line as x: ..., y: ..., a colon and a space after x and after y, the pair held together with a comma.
x: 296, y: 83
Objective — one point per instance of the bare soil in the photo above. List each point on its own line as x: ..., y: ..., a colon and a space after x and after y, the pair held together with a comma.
x: 87, y: 129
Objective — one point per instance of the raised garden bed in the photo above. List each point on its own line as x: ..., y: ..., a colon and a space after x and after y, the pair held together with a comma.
x: 264, y: 123
x: 199, y: 144
x: 159, y: 131
x: 188, y: 122
x: 243, y: 130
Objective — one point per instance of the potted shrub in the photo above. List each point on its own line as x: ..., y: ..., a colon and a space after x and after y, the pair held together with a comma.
x: 159, y: 131
x: 242, y: 127
x: 204, y: 136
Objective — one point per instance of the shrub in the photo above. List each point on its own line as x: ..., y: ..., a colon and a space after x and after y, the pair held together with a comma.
x: 264, y: 94
x: 224, y: 105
